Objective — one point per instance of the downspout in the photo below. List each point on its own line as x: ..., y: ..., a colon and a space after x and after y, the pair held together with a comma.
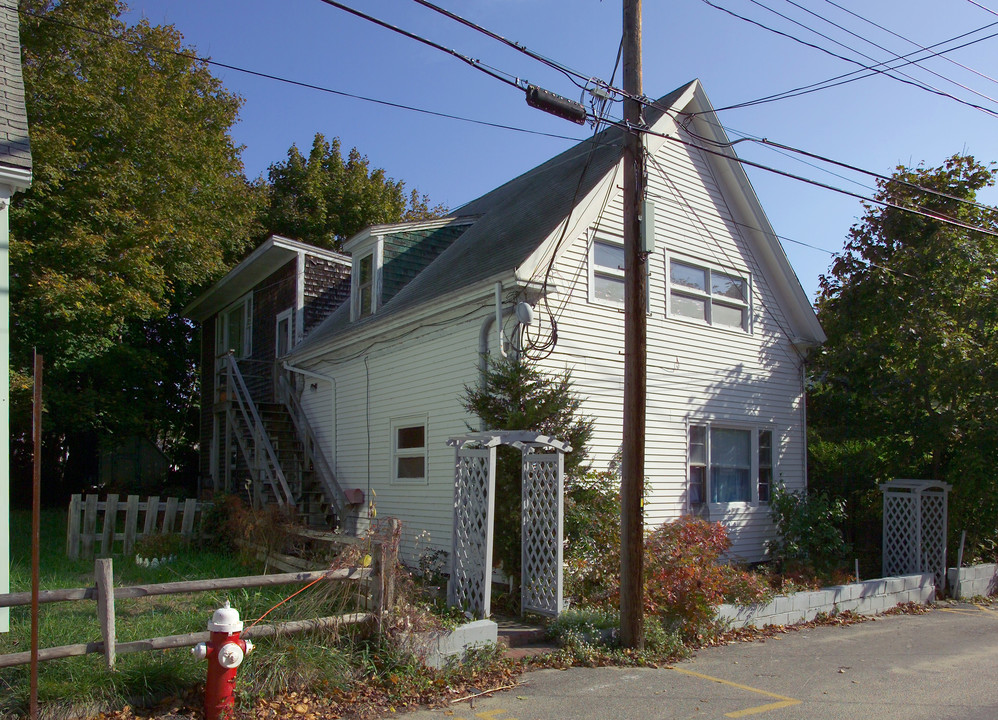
x: 483, y: 335
x: 329, y: 379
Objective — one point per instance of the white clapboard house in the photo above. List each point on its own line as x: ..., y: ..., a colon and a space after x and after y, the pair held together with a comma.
x: 381, y: 379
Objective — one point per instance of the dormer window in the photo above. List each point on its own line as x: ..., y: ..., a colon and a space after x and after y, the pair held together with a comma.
x: 365, y: 286
x: 366, y: 282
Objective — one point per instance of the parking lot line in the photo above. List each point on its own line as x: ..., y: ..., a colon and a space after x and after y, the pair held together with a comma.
x: 784, y: 701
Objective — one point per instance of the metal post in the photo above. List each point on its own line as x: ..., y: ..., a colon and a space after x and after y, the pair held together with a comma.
x: 36, y: 502
x: 635, y: 345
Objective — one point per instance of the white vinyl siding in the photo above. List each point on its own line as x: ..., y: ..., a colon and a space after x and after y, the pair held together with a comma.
x: 736, y: 379
x: 694, y: 371
x: 421, y: 377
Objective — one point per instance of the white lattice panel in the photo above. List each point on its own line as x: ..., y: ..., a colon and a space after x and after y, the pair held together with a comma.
x: 470, y: 585
x: 915, y: 528
x: 541, y: 533
x: 900, y: 530
x: 934, y: 535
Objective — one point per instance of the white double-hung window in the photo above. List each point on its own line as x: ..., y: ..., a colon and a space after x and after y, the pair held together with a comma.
x: 709, y: 295
x: 729, y: 464
x: 606, y: 271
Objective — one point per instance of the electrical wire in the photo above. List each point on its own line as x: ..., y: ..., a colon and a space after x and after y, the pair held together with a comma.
x: 907, y: 40
x: 855, y: 75
x: 874, y: 68
x: 289, y: 81
x: 887, y: 50
x: 982, y: 7
x: 565, y: 70
x: 477, y: 64
x: 838, y: 163
x: 734, y: 158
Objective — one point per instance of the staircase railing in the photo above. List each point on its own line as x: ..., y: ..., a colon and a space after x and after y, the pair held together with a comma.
x: 312, y: 451
x: 260, y: 455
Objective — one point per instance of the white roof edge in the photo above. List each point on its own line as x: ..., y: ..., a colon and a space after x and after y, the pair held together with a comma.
x: 272, y: 243
x: 796, y: 303
x: 354, y: 240
x: 18, y: 178
x: 452, y: 300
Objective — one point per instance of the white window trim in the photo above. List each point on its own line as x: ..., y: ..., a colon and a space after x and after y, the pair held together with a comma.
x: 221, y: 328
x: 377, y: 254
x: 722, y: 424
x: 710, y: 268
x: 288, y: 315
x: 403, y: 422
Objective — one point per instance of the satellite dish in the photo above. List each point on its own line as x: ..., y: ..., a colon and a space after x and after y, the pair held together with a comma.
x: 524, y: 313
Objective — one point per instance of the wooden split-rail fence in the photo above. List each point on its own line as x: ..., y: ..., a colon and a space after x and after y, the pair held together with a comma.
x: 112, y: 526
x: 379, y: 595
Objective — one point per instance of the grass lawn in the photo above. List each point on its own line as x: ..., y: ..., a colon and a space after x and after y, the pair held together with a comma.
x: 315, y: 659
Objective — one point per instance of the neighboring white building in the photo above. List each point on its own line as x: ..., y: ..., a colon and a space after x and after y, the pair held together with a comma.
x: 15, y: 175
x: 728, y: 328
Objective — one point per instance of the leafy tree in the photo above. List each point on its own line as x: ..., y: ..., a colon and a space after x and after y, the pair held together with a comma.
x: 519, y: 396
x: 323, y: 199
x: 908, y: 380
x: 138, y: 199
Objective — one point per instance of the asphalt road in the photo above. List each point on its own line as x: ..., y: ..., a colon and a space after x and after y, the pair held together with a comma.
x: 942, y: 664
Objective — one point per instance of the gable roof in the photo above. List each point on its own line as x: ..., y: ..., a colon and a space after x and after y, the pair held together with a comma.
x: 512, y: 222
x: 15, y: 148
x: 517, y: 221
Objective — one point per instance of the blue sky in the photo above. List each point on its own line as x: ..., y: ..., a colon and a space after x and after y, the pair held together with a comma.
x: 875, y: 123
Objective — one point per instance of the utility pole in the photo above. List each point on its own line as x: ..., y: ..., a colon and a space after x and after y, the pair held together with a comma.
x: 635, y: 345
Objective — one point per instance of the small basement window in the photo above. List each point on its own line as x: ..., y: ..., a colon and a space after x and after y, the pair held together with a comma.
x: 409, y: 451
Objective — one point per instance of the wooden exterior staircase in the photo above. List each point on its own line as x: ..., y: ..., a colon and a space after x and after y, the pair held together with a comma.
x: 277, y: 449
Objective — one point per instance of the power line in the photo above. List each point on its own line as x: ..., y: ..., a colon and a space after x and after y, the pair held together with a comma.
x: 564, y: 69
x: 855, y: 75
x: 477, y: 64
x: 874, y: 68
x: 982, y: 7
x: 887, y: 50
x: 907, y: 39
x: 289, y: 81
x: 734, y: 158
x: 616, y: 123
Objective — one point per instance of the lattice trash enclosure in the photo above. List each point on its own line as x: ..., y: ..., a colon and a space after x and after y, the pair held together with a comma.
x: 915, y: 528
x: 542, y: 478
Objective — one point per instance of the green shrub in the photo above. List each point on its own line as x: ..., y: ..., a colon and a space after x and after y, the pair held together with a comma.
x: 685, y: 579
x: 808, y: 531
x: 592, y: 538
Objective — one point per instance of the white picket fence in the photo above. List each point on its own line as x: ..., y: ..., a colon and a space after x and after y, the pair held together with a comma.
x: 111, y: 526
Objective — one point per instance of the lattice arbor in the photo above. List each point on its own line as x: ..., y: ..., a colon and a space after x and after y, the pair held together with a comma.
x: 915, y: 527
x: 543, y: 481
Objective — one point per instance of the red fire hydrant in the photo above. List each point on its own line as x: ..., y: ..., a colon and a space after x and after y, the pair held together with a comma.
x: 225, y: 652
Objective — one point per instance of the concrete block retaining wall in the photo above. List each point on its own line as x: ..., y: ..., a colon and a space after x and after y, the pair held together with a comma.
x: 434, y: 649
x: 865, y: 598
x: 968, y: 582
